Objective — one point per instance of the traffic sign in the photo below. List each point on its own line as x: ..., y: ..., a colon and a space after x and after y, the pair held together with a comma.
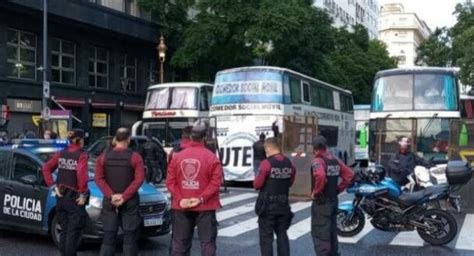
x: 46, y: 113
x: 46, y: 91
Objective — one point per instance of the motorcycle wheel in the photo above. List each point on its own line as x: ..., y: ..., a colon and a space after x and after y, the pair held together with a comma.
x: 443, y: 224
x: 348, y: 227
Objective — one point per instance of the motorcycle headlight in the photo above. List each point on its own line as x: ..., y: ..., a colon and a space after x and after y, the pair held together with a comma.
x: 95, y: 202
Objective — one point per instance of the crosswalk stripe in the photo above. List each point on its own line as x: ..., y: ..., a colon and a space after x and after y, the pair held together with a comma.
x: 233, y: 212
x: 251, y: 224
x: 353, y: 240
x: 407, y: 238
x: 466, y: 238
x: 299, y: 229
x: 236, y: 198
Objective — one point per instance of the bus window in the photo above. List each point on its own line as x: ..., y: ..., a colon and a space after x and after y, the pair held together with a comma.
x: 435, y: 92
x: 305, y: 90
x: 158, y: 99
x: 326, y: 98
x: 183, y: 98
x: 205, y: 99
x: 330, y: 133
x: 295, y: 90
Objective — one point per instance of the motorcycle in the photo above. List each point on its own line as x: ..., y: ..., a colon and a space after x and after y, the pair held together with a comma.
x: 393, y: 210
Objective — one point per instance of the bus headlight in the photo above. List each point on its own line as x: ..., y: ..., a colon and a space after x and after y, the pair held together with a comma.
x: 95, y: 202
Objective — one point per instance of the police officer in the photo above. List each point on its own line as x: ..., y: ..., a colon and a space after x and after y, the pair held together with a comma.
x: 326, y: 170
x: 275, y: 177
x: 71, y: 190
x: 403, y: 163
x: 258, y: 152
x: 154, y: 160
x: 119, y: 175
x: 194, y: 179
x: 183, y: 143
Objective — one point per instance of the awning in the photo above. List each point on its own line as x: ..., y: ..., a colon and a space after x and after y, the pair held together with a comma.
x: 73, y: 102
x: 103, y: 104
x: 133, y: 107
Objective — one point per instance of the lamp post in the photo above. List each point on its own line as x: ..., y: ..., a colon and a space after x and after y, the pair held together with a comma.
x: 162, y: 56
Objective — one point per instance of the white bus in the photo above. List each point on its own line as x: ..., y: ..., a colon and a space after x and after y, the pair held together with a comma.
x: 170, y: 107
x: 249, y: 101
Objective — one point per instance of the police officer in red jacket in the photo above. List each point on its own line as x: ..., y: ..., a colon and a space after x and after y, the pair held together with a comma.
x: 71, y: 190
x: 276, y: 175
x: 119, y: 175
x: 194, y: 179
x: 326, y: 171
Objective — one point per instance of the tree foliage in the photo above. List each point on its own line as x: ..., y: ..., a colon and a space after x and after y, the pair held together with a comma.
x: 454, y: 46
x: 286, y: 33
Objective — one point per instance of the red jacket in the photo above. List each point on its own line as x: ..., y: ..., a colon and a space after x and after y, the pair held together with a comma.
x: 82, y: 176
x: 183, y: 144
x: 265, y: 169
x: 319, y: 172
x: 195, y: 172
x: 139, y: 177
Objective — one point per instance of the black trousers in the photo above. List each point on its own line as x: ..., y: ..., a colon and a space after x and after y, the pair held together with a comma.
x: 274, y: 223
x: 126, y: 216
x: 324, y: 227
x: 183, y: 224
x: 72, y: 218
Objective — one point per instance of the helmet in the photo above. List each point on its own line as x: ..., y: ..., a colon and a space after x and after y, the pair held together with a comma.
x: 375, y: 173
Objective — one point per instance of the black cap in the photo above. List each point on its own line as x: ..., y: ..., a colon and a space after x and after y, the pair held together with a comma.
x: 199, y: 129
x: 319, y: 142
x: 75, y: 134
x: 262, y: 136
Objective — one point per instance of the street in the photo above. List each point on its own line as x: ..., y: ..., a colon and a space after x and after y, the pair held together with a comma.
x: 238, y: 235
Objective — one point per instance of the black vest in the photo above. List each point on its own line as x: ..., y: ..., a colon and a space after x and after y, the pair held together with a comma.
x: 333, y: 172
x: 67, y: 168
x: 279, y: 181
x: 118, y: 170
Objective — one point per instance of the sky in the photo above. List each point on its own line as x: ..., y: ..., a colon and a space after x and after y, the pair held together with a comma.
x: 436, y: 13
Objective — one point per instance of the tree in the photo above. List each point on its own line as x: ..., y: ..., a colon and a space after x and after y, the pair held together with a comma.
x: 463, y: 47
x: 436, y: 51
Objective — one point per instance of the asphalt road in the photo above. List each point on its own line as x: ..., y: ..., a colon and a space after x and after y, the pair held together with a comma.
x: 238, y: 235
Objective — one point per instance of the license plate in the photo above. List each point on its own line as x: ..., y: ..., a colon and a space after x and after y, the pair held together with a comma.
x: 155, y: 220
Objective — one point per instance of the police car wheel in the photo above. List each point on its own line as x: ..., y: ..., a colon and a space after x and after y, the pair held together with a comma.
x: 55, y: 231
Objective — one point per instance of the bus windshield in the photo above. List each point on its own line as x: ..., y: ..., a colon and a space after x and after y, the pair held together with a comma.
x: 415, y: 92
x: 172, y: 98
x: 253, y: 86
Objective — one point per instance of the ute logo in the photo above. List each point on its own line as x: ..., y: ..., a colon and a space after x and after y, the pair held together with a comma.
x: 190, y: 169
x: 23, y: 207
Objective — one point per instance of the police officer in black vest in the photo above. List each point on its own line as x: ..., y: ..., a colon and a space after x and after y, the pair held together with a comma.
x: 119, y: 175
x: 275, y: 176
x: 71, y: 190
x: 326, y: 170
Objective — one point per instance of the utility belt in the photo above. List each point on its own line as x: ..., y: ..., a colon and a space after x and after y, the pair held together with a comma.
x: 264, y: 199
x: 70, y: 194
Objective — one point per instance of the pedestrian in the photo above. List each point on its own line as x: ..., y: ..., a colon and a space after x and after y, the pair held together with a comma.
x: 275, y: 177
x: 183, y: 143
x: 402, y: 164
x: 258, y: 152
x: 47, y: 134
x: 194, y: 179
x: 326, y: 170
x: 53, y: 136
x: 71, y: 190
x: 119, y: 175
x: 152, y: 157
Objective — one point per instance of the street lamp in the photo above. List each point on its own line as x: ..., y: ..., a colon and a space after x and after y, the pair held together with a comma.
x: 162, y: 55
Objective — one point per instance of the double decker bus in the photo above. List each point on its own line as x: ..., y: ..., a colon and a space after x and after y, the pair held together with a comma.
x: 425, y: 104
x: 170, y: 107
x: 249, y: 101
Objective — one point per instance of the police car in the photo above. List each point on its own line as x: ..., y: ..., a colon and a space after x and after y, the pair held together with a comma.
x: 28, y: 205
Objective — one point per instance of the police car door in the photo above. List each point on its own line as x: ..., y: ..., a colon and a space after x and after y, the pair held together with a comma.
x: 4, y: 172
x: 25, y: 194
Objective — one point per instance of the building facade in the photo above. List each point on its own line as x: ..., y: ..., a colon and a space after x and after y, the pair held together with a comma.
x: 351, y: 12
x: 403, y: 32
x: 101, y: 58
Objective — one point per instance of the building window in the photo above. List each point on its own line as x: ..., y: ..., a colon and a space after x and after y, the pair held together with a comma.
x: 153, y: 72
x: 402, y: 60
x: 21, y: 54
x: 98, y: 67
x: 63, y: 61
x: 128, y: 73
